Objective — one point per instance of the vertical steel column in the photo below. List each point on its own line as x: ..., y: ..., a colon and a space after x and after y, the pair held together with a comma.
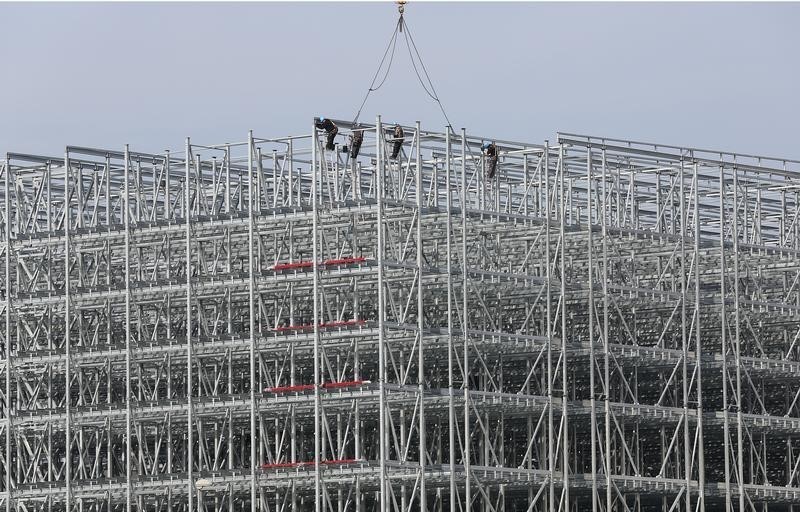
x: 252, y: 313
x: 384, y: 498
x: 336, y: 169
x: 551, y: 464
x: 227, y: 164
x: 738, y: 341
x: 9, y: 404
x: 564, y: 375
x: 465, y: 320
x: 590, y: 254
x: 525, y: 180
x: 317, y: 382
x: 357, y: 439
x: 189, y: 417
x: 128, y: 412
x: 198, y: 170
x: 698, y: 340
x: 290, y: 167
x: 167, y: 214
x: 274, y: 177
x: 687, y: 457
x: 724, y: 339
x: 606, y: 344
x: 67, y: 351
x: 451, y: 415
x: 435, y: 179
x: 423, y: 448
x: 169, y: 333
x: 496, y: 185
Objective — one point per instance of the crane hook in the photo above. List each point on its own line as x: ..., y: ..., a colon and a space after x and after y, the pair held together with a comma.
x: 401, y: 8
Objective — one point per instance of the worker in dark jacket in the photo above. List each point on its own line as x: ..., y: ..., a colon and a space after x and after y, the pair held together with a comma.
x: 330, y: 130
x: 490, y: 153
x: 398, y: 138
x: 355, y: 142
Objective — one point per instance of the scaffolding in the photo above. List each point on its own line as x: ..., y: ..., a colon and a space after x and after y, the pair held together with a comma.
x: 267, y: 325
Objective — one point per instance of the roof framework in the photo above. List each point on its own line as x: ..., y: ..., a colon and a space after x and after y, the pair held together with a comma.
x: 267, y: 325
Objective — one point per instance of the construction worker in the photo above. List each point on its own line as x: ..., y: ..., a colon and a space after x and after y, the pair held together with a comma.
x: 490, y: 153
x: 355, y: 142
x: 330, y: 130
x: 398, y: 138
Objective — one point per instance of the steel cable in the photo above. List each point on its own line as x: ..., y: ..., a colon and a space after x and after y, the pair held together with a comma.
x: 391, y: 46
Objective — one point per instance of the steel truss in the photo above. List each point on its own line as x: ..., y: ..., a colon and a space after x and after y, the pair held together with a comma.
x: 605, y: 325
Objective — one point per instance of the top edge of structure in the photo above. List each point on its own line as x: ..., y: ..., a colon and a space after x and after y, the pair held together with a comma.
x: 679, y: 152
x: 687, y: 154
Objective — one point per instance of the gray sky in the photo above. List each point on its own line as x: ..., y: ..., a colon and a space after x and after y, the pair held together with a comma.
x: 710, y: 75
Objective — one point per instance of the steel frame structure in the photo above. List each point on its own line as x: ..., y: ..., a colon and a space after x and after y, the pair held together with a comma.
x: 605, y: 325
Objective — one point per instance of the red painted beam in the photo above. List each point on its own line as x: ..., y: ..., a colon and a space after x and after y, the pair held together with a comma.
x: 290, y: 389
x: 292, y: 266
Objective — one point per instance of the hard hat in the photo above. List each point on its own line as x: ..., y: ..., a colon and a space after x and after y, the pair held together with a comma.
x: 322, y: 119
x: 485, y: 145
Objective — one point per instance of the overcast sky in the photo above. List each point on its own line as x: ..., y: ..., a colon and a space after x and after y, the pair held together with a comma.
x: 713, y: 75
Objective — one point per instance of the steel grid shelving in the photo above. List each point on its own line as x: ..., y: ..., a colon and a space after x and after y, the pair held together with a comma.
x: 267, y: 325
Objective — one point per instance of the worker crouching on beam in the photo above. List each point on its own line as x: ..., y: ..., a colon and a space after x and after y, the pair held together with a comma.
x: 490, y: 156
x: 355, y: 141
x: 330, y: 130
x: 398, y: 138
